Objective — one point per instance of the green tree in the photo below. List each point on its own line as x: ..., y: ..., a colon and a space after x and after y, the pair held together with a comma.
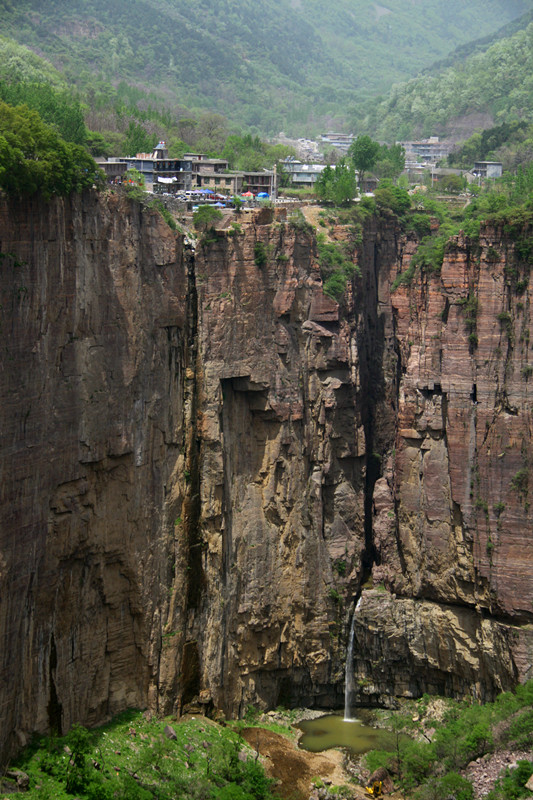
x: 337, y: 185
x: 80, y: 742
x: 451, y: 786
x: 251, y: 153
x: 57, y: 108
x: 214, y: 132
x: 323, y: 183
x: 138, y: 140
x: 34, y: 158
x: 188, y: 130
x: 98, y: 144
x: 206, y: 217
x: 393, y: 197
x: 390, y: 161
x: 452, y: 183
x: 176, y: 147
x: 344, y: 186
x: 364, y: 153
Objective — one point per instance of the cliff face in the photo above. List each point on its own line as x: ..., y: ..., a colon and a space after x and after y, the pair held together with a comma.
x: 93, y: 320
x: 280, y: 468
x: 452, y: 518
x: 207, y: 462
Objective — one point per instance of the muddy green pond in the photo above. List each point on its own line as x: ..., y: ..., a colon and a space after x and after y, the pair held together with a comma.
x: 334, y: 731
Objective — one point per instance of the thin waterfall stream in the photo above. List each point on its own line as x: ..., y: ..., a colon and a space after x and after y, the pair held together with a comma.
x: 332, y: 730
x: 348, y: 670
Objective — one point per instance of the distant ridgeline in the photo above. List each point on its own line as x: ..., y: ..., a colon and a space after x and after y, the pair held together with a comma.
x: 272, y: 66
x: 490, y: 87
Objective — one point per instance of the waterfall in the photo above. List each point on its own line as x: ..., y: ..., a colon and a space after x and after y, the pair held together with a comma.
x: 349, y: 676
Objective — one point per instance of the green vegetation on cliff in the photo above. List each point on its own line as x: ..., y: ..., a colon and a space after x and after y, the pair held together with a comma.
x: 443, y: 736
x: 140, y: 758
x: 35, y: 159
x: 336, y: 265
x: 506, y: 202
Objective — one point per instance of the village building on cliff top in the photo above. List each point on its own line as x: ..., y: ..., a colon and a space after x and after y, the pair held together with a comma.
x: 193, y: 171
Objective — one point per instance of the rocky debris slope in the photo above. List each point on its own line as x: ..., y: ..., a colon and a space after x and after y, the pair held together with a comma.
x: 485, y: 771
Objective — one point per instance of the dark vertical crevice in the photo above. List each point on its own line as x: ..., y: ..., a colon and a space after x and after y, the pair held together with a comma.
x: 190, y: 672
x: 445, y: 311
x: 371, y: 343
x: 192, y: 542
x: 192, y: 472
x: 225, y: 426
x: 55, y: 709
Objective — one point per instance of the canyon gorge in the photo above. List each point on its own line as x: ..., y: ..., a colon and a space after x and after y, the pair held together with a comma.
x: 210, y: 470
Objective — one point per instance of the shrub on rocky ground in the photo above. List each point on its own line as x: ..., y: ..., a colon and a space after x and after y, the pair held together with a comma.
x: 447, y: 739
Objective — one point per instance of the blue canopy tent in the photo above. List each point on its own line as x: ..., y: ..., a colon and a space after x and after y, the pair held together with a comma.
x: 263, y: 195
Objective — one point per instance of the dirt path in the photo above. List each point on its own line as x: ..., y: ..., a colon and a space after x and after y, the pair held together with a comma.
x: 312, y: 215
x: 294, y: 769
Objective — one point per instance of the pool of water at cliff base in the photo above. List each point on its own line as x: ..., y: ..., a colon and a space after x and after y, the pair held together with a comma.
x: 333, y: 730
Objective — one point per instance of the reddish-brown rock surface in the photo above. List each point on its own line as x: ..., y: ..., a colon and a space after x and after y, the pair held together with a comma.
x: 93, y: 316
x: 203, y: 459
x: 452, y: 519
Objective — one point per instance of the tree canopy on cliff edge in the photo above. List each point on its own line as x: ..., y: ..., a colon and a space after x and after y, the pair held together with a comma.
x: 363, y: 152
x: 35, y: 159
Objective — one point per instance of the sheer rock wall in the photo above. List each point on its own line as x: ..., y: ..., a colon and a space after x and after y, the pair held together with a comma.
x: 281, y: 468
x: 91, y: 422
x: 206, y: 463
x: 452, y: 521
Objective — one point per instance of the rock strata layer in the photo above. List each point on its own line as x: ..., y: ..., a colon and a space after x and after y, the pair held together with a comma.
x: 206, y: 462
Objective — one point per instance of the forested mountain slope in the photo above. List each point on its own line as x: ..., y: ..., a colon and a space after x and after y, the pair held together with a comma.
x: 275, y: 64
x: 482, y: 44
x: 488, y: 88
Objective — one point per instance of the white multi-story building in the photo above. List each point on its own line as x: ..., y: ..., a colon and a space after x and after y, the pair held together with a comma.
x: 302, y: 175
